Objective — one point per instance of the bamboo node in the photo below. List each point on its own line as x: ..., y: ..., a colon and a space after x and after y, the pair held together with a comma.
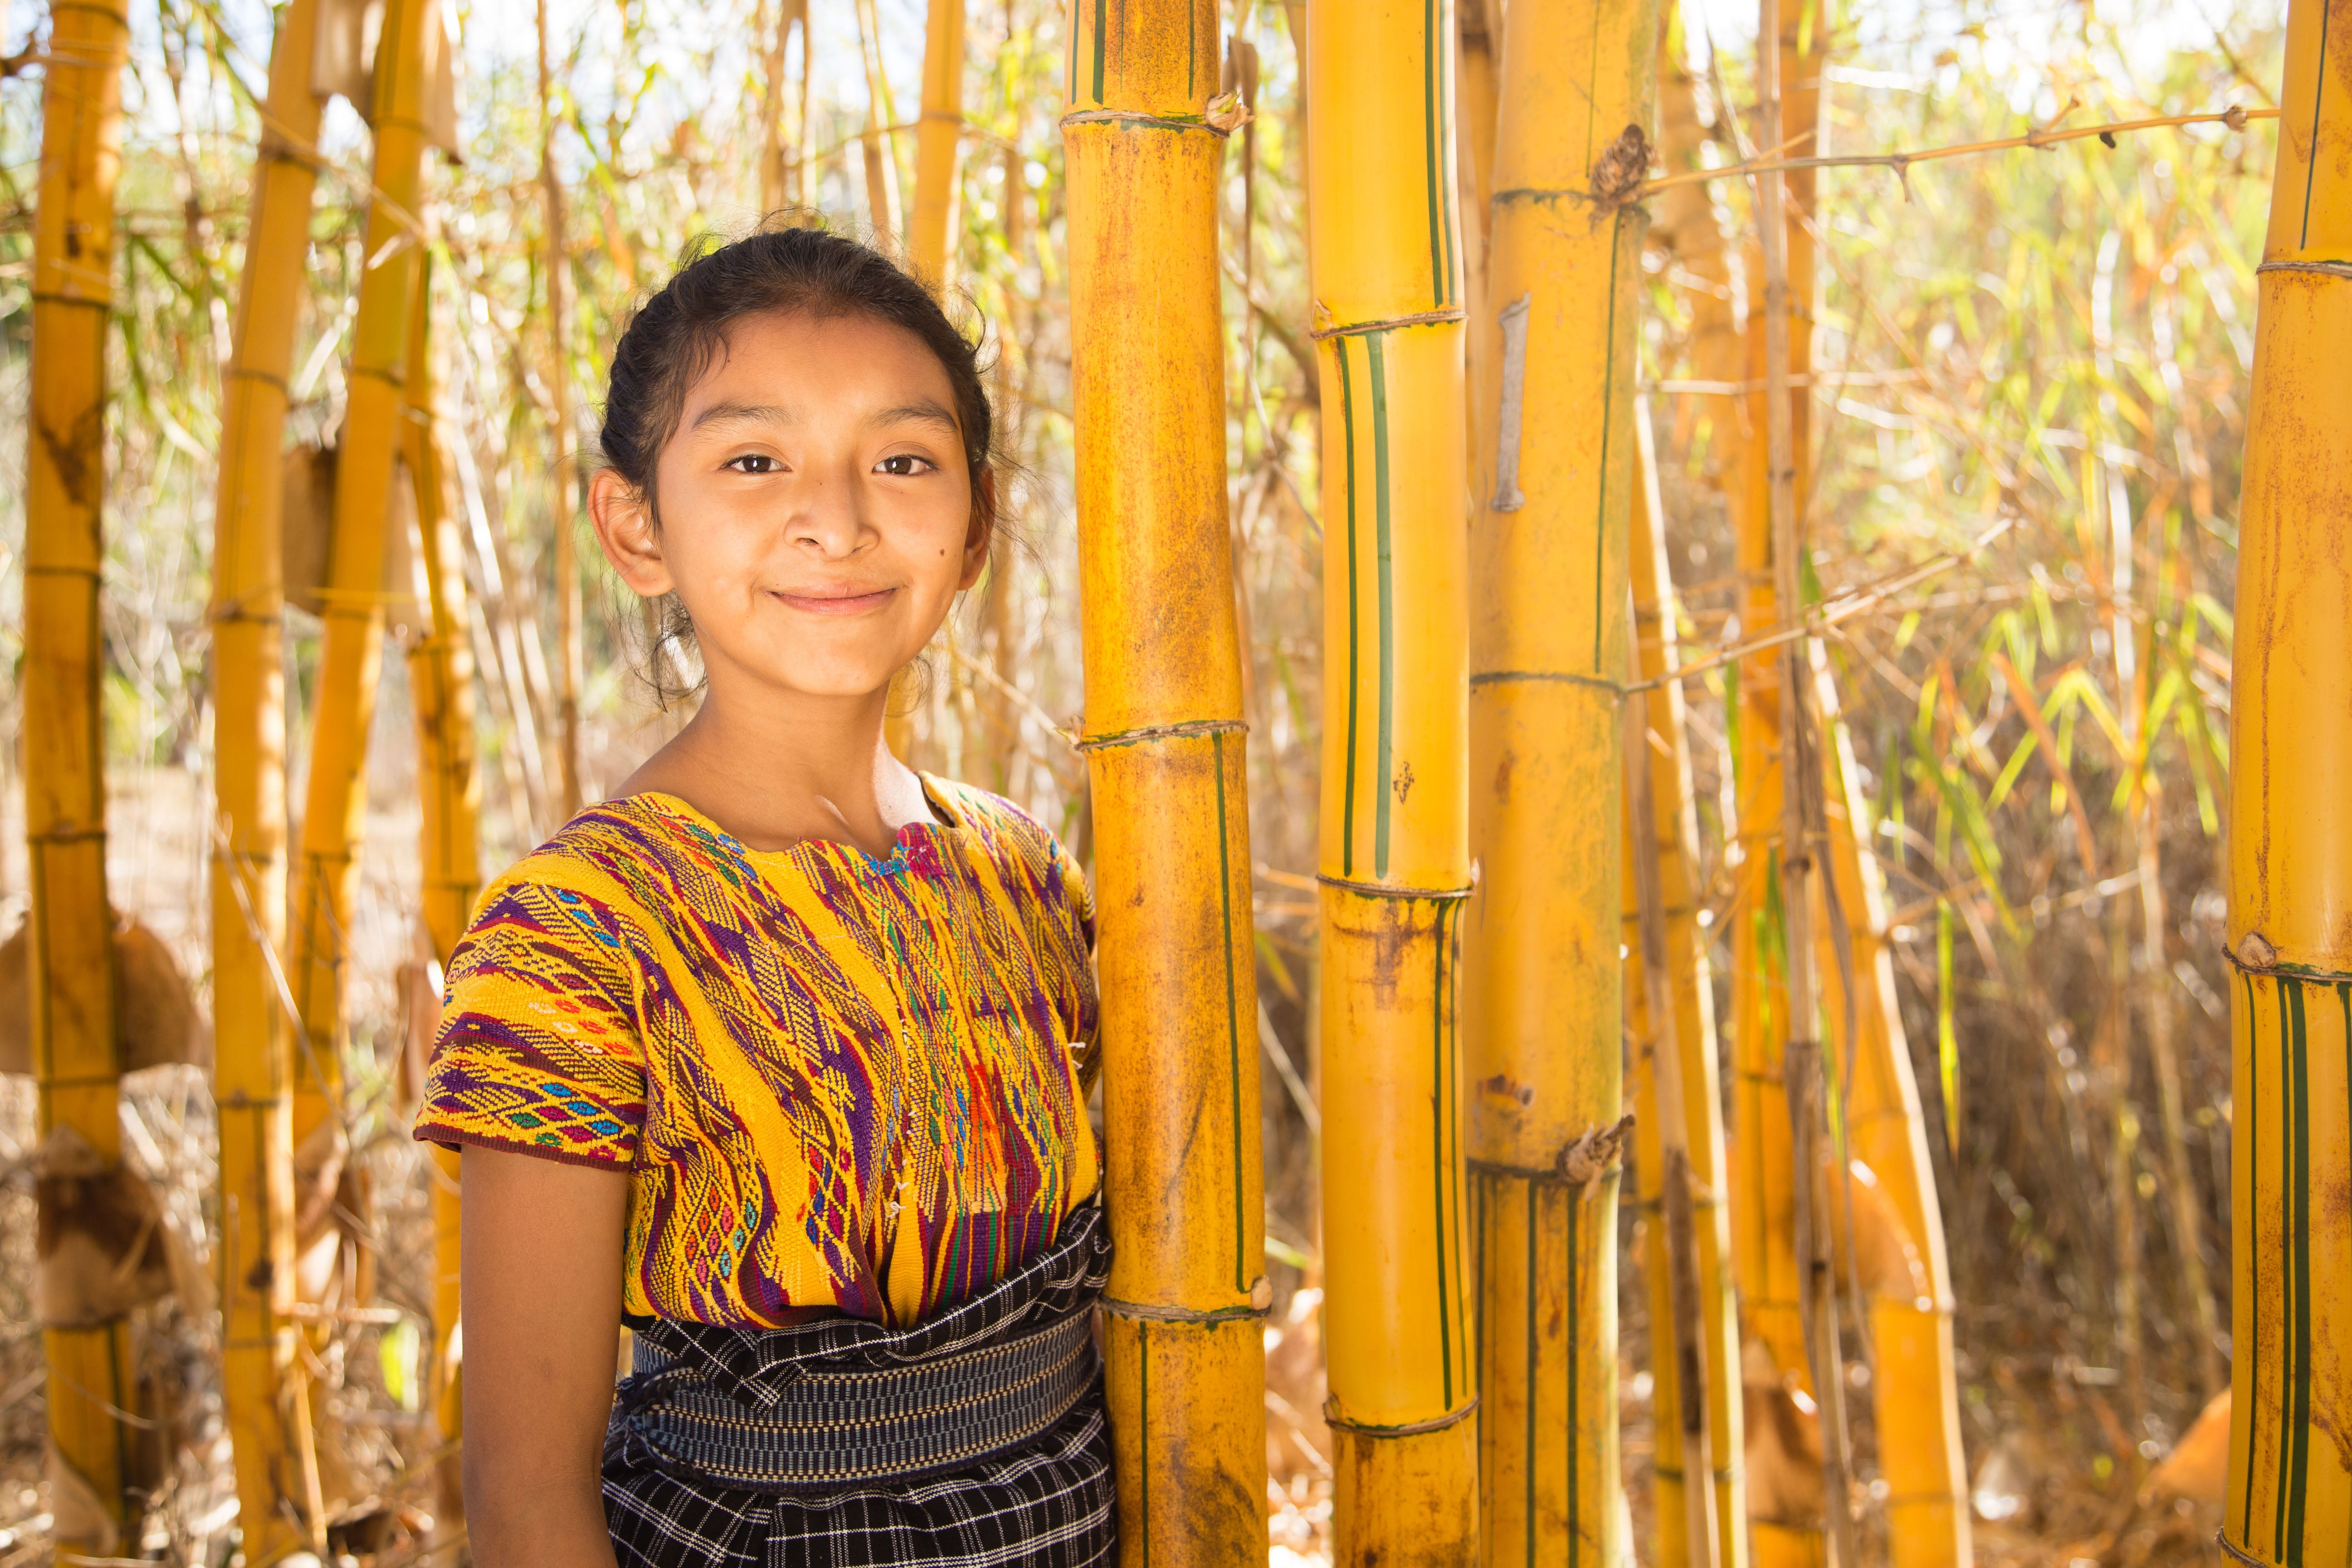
x: 1135, y: 117
x: 1394, y: 890
x: 1331, y: 1417
x: 2319, y: 268
x: 2221, y: 1540
x: 1387, y: 324
x: 1154, y: 1313
x: 1161, y: 732
x: 1585, y: 1161
x: 2256, y: 952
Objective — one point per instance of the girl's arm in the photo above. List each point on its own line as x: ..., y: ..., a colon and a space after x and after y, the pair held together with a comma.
x: 541, y: 1256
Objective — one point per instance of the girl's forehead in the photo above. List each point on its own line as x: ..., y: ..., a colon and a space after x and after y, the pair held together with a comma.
x: 841, y: 355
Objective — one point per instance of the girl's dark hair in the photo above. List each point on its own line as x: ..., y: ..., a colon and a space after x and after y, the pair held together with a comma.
x: 676, y: 333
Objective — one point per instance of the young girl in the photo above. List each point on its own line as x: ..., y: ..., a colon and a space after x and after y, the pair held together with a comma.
x: 776, y: 1055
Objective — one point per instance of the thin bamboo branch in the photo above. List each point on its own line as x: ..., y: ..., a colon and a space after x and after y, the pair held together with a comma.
x: 2234, y: 117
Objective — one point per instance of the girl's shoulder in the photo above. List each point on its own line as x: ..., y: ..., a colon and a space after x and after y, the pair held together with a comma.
x: 1013, y: 840
x: 617, y: 857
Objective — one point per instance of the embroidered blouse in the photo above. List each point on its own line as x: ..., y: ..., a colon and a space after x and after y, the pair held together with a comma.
x: 834, y: 1081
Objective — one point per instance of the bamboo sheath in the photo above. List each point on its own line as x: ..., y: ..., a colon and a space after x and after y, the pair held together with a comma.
x: 1914, y: 1387
x: 1764, y: 1196
x: 1394, y: 826
x: 1184, y: 1349
x: 1549, y: 591
x: 75, y: 1051
x: 334, y: 814
x: 2290, y: 1493
x: 253, y: 1061
x: 441, y: 690
x: 938, y: 139
x: 1700, y: 1097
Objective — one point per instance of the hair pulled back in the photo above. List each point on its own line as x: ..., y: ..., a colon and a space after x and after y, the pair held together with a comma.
x: 676, y: 334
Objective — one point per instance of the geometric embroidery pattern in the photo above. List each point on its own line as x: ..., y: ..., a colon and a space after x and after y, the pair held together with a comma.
x: 835, y: 1081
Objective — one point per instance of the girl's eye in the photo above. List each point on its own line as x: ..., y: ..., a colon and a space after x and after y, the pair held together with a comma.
x: 905, y: 465
x: 753, y: 463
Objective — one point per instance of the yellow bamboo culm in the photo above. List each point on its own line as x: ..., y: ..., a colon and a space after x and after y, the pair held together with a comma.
x: 1183, y: 1348
x: 1693, y: 1034
x: 253, y: 1061
x: 2290, y: 1494
x: 1915, y: 1389
x: 1542, y: 1019
x: 334, y: 813
x: 938, y: 139
x: 1394, y: 839
x: 1785, y: 1531
x: 441, y: 690
x: 93, y: 1451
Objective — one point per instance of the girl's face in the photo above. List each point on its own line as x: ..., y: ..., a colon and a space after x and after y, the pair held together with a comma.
x: 817, y: 513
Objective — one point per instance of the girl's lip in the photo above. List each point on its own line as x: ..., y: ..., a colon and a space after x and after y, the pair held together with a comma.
x: 837, y: 603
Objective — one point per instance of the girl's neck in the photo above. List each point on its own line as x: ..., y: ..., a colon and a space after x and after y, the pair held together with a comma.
x: 773, y: 773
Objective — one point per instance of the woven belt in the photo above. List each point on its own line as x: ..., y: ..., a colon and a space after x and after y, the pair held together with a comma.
x: 839, y: 1424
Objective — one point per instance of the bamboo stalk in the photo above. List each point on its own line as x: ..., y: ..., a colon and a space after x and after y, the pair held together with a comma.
x: 2290, y: 1494
x: 441, y: 690
x: 779, y: 183
x: 1183, y: 1350
x: 1786, y: 1253
x: 563, y: 470
x: 1685, y: 225
x: 1549, y: 579
x: 1675, y: 1089
x: 253, y: 1062
x: 76, y: 1054
x: 1478, y: 30
x: 1394, y: 839
x: 334, y: 811
x: 937, y: 142
x: 1916, y: 1385
x: 1683, y: 1388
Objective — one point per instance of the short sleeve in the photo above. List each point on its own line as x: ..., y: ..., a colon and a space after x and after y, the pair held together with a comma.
x: 539, y: 1050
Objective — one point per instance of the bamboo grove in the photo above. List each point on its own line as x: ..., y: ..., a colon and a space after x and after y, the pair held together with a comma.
x: 1703, y: 959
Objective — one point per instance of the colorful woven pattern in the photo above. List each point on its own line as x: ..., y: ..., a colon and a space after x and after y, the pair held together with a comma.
x: 836, y: 1082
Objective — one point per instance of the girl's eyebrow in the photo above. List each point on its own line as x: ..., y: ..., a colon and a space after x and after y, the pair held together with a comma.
x: 743, y: 414
x: 924, y: 413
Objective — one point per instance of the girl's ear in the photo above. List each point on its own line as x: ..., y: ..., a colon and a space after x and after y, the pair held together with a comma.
x: 624, y: 521
x: 981, y: 532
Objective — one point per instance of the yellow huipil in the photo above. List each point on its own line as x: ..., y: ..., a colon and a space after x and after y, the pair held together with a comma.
x: 253, y: 1053
x: 1184, y: 1349
x: 441, y: 690
x: 1394, y: 842
x: 1542, y: 1019
x: 2290, y: 1495
x: 937, y: 140
x: 334, y: 811
x: 72, y: 962
x: 1763, y: 1189
x: 1915, y: 1389
x: 1693, y: 1034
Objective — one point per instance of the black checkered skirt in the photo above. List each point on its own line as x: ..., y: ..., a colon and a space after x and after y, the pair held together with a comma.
x: 1046, y: 1503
